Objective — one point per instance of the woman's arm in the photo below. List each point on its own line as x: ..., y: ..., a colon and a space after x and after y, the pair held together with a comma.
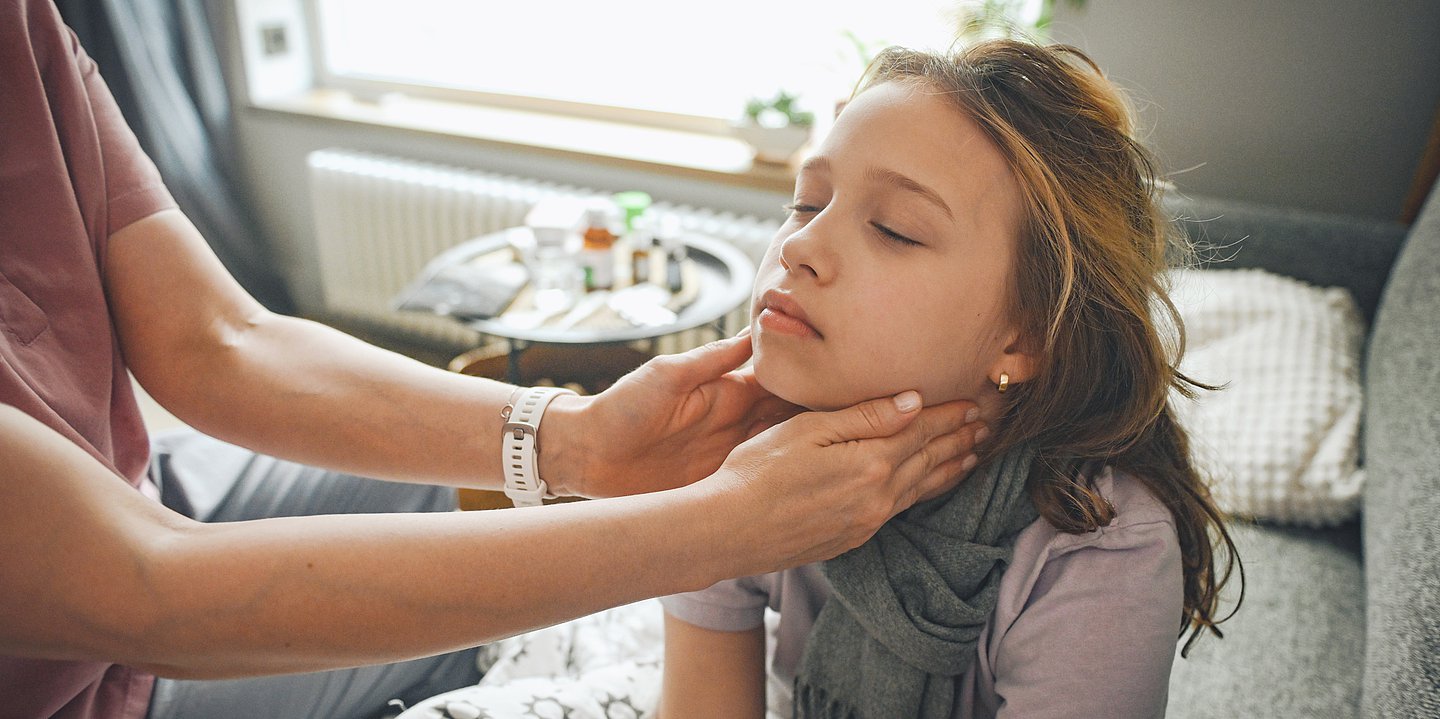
x: 94, y: 570
x: 91, y: 569
x: 711, y: 673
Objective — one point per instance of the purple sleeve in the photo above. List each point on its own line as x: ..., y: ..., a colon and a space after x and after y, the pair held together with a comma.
x: 733, y: 605
x: 1075, y: 640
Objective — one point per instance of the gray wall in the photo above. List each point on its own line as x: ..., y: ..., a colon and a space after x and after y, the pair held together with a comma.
x: 1319, y: 105
x: 1322, y: 105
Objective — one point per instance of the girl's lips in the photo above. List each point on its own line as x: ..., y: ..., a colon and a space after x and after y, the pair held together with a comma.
x: 782, y: 314
x: 775, y: 321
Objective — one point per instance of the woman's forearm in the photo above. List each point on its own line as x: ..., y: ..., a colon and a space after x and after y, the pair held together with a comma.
x: 214, y: 357
x: 94, y: 570
x: 300, y: 390
x: 304, y: 594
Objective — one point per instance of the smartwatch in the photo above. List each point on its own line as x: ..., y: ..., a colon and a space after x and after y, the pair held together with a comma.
x: 520, y: 446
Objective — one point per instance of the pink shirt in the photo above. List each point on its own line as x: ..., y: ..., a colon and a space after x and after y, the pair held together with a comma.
x: 1085, y: 625
x: 71, y: 173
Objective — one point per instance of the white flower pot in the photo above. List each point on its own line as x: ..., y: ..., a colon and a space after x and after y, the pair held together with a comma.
x: 772, y: 144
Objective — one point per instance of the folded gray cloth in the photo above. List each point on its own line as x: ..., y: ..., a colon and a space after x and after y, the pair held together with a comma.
x: 908, y: 606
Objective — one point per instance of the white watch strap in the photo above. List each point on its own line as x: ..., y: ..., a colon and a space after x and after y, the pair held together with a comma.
x: 520, y: 449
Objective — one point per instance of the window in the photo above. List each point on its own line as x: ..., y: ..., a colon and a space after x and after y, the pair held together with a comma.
x: 677, y: 64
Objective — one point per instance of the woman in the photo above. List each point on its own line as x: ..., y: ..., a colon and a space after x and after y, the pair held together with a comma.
x: 102, y: 587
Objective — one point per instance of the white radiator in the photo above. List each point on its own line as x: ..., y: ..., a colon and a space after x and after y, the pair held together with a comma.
x: 379, y: 219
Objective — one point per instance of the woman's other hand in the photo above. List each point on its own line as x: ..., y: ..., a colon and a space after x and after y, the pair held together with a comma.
x: 822, y: 483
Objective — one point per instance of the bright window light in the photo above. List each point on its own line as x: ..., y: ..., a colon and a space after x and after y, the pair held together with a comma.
x: 701, y: 60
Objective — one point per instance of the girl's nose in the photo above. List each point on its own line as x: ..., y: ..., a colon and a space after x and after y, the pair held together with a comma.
x: 800, y: 255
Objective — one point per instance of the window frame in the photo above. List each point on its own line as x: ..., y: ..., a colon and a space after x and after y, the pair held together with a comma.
x: 374, y: 90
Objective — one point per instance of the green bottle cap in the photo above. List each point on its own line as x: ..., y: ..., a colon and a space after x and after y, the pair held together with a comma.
x: 633, y: 203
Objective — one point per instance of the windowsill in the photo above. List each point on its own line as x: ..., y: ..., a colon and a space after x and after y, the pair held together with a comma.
x: 687, y: 154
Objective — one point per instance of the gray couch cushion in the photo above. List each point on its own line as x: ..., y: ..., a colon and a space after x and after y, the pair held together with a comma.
x: 1323, y: 249
x: 1402, y: 493
x: 1296, y: 647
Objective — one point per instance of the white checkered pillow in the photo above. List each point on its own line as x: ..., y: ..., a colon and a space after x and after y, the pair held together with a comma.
x: 1281, y: 440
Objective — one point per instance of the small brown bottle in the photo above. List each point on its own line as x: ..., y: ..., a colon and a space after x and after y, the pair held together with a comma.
x: 597, y: 252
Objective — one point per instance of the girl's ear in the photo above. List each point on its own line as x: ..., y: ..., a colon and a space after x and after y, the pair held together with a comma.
x: 1016, y: 361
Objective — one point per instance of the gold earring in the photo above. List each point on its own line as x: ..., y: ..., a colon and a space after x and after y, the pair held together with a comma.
x: 1004, y: 383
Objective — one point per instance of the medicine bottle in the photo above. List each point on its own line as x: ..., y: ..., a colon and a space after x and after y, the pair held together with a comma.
x: 640, y: 240
x: 597, y: 249
x: 634, y: 243
x: 554, y: 273
x: 549, y: 252
x: 675, y: 265
x: 669, y: 243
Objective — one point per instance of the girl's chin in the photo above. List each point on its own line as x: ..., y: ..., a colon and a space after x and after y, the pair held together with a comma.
x: 804, y: 391
x: 815, y: 389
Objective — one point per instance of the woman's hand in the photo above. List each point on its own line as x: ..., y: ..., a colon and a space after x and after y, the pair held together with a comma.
x: 667, y: 424
x: 822, y: 483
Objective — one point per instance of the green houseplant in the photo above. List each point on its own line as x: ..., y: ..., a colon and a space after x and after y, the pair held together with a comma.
x: 988, y: 19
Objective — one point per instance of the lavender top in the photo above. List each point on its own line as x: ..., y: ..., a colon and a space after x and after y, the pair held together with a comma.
x: 1085, y: 625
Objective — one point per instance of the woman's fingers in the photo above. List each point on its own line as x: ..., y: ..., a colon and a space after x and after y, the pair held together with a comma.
x: 933, y: 422
x: 943, y: 478
x: 911, y: 443
x: 691, y: 369
x: 956, y: 458
x: 881, y: 417
x: 823, y: 482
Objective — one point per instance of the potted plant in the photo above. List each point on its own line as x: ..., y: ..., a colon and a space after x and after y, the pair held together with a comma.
x: 775, y: 127
x: 988, y: 19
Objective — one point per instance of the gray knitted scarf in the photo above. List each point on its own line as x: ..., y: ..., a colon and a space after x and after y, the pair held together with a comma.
x: 908, y: 605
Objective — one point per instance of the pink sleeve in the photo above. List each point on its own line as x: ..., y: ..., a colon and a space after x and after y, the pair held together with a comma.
x: 133, y: 185
x: 1098, y: 634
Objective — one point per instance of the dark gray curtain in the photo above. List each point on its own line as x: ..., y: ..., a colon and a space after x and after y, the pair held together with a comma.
x: 161, y: 61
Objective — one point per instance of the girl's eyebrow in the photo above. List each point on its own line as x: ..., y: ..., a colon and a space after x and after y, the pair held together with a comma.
x: 883, y: 176
x: 816, y: 163
x: 886, y: 176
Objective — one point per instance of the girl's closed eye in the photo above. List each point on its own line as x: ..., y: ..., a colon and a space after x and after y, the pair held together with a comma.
x: 894, y: 236
x: 802, y: 210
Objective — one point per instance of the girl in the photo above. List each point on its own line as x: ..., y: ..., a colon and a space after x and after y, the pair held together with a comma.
x: 982, y: 226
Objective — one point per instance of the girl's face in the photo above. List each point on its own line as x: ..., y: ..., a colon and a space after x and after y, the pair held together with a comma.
x: 892, y: 271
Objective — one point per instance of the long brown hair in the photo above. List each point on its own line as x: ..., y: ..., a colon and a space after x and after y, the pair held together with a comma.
x: 1089, y: 295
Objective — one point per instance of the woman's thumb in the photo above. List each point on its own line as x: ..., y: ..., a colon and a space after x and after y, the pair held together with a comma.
x: 874, y: 418
x: 710, y: 361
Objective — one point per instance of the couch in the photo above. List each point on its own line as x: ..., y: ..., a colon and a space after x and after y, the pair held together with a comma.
x: 1344, y: 621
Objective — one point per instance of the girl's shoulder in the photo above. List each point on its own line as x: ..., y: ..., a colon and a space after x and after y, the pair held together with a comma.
x: 1129, y: 571
x: 1141, y: 522
x: 1117, y: 591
